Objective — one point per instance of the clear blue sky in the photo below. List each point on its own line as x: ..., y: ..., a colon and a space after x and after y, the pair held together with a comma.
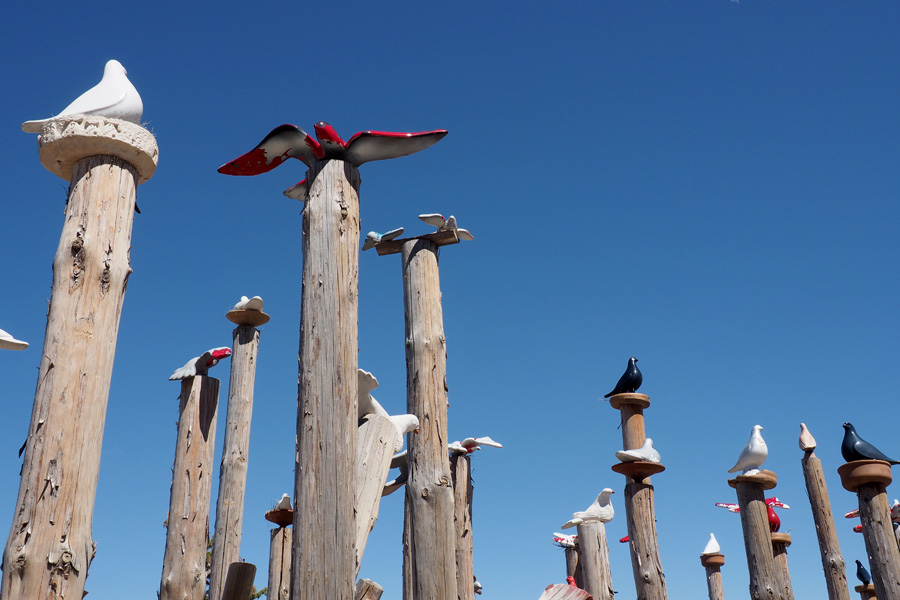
x: 711, y: 187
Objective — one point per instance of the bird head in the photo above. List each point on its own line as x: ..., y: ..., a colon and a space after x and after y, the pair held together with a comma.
x: 217, y: 354
x: 848, y: 426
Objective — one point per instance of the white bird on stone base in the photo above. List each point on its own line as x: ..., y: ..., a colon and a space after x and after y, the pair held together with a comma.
x: 199, y: 365
x: 366, y: 404
x: 254, y: 303
x: 113, y: 97
x: 601, y: 511
x: 470, y: 445
x: 712, y: 546
x: 284, y: 503
x: 373, y: 238
x: 404, y: 424
x: 448, y: 224
x: 8, y: 342
x: 753, y: 455
x: 645, y: 453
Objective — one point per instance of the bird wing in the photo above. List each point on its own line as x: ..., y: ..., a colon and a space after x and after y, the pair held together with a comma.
x: 464, y: 234
x: 371, y: 240
x: 572, y: 522
x: 392, y: 234
x: 367, y: 146
x: 457, y: 447
x: 190, y: 368
x: 729, y: 506
x: 8, y: 342
x: 283, y: 142
x: 434, y: 219
x: 486, y: 441
x: 298, y: 191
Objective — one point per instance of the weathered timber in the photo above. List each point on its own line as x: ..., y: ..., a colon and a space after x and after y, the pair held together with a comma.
x: 375, y: 445
x: 429, y: 491
x: 279, y: 586
x: 323, y: 553
x: 866, y: 592
x: 573, y: 568
x: 236, y: 453
x: 187, y: 531
x: 50, y: 546
x: 713, y: 565
x: 460, y: 467
x: 764, y: 578
x: 366, y: 589
x: 593, y: 558
x: 780, y: 543
x: 238, y: 581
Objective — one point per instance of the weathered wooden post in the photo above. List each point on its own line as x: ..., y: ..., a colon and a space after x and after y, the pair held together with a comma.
x: 649, y: 579
x: 829, y: 548
x: 377, y: 436
x: 187, y: 528
x: 460, y: 468
x: 279, y: 585
x: 573, y: 568
x: 236, y: 452
x: 713, y: 564
x: 593, y: 559
x: 238, y: 581
x: 764, y: 577
x: 868, y: 479
x: 366, y: 589
x: 50, y: 547
x: 780, y: 543
x: 866, y: 592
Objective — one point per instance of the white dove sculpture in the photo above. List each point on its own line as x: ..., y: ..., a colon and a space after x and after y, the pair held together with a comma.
x: 470, y: 445
x: 8, y: 342
x: 601, y: 511
x: 254, y: 303
x: 753, y: 455
x: 712, y: 546
x: 449, y: 224
x: 373, y: 238
x: 806, y: 441
x: 113, y: 97
x: 646, y: 453
x: 404, y: 424
x: 366, y: 404
x: 199, y: 365
x: 284, y: 503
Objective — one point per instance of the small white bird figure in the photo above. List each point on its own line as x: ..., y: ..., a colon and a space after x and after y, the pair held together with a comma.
x: 565, y: 541
x: 449, y: 224
x: 645, y: 453
x: 807, y: 441
x: 113, y: 97
x: 712, y: 546
x: 8, y: 342
x: 373, y: 238
x: 470, y: 445
x: 404, y: 424
x: 199, y: 365
x: 254, y: 303
x: 753, y: 455
x: 601, y: 511
x: 366, y: 404
x: 284, y: 503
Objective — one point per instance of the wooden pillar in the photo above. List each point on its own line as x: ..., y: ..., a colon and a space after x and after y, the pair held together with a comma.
x: 429, y: 491
x: 713, y: 564
x: 780, y: 543
x: 764, y: 580
x: 279, y: 585
x: 235, y: 454
x: 868, y: 479
x: 375, y: 446
x: 238, y: 581
x: 460, y: 467
x: 50, y: 547
x: 573, y: 568
x: 593, y: 558
x: 649, y: 578
x: 323, y: 552
x: 366, y: 589
x: 866, y: 592
x: 187, y: 531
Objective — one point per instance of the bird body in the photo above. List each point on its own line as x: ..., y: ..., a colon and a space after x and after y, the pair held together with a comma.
x: 712, y: 546
x: 470, y: 445
x: 199, y: 365
x: 807, y: 441
x: 113, y: 97
x: 753, y: 455
x: 284, y: 503
x: 854, y: 447
x: 601, y: 511
x: 373, y: 238
x: 774, y: 519
x: 646, y: 453
x: 630, y: 380
x: 254, y: 303
x: 862, y: 574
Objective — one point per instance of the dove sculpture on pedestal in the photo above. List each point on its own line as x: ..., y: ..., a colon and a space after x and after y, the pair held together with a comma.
x: 646, y: 453
x: 254, y: 303
x: 753, y: 455
x: 601, y: 511
x: 854, y: 447
x: 448, y: 224
x: 284, y: 503
x: 712, y: 546
x: 806, y: 441
x: 373, y: 238
x: 8, y: 342
x: 199, y: 365
x: 113, y: 97
x: 630, y: 380
x: 862, y: 574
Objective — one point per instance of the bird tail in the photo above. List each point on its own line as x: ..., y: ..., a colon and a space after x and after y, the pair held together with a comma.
x: 34, y: 126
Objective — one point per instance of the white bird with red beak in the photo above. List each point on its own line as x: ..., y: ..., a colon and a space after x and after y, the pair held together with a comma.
x: 199, y: 365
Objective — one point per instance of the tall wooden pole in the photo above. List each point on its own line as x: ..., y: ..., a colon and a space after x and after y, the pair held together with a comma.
x: 764, y: 579
x: 460, y: 466
x: 279, y: 586
x: 50, y: 547
x: 780, y: 543
x: 593, y: 558
x: 713, y: 564
x: 236, y: 453
x: 323, y: 552
x: 187, y: 530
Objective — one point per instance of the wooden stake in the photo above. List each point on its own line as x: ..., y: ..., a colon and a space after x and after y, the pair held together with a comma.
x: 713, y: 564
x: 187, y: 531
x: 323, y: 552
x: 780, y: 543
x: 236, y: 453
x: 593, y: 558
x: 279, y: 586
x: 238, y: 582
x: 377, y: 436
x: 460, y: 467
x: 573, y: 568
x: 866, y: 592
x: 50, y: 548
x: 366, y: 589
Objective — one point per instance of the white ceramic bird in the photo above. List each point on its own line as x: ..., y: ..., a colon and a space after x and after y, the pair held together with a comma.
x: 470, y: 445
x: 448, y: 224
x: 601, y: 511
x: 404, y: 424
x: 199, y: 365
x: 254, y: 303
x: 565, y: 541
x: 712, y: 546
x: 366, y: 404
x: 373, y: 238
x: 8, y: 342
x: 645, y: 453
x: 113, y: 97
x: 753, y: 455
x: 807, y: 441
x: 284, y: 503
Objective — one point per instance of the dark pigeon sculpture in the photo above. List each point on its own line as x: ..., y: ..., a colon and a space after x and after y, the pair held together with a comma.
x: 855, y: 448
x: 630, y: 380
x: 862, y: 574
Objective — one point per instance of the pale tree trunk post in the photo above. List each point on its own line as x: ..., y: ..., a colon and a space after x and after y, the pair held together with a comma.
x: 780, y: 543
x: 366, y: 589
x: 573, y: 568
x: 238, y: 581
x: 375, y: 447
x: 460, y: 467
x: 50, y: 546
x: 323, y: 552
x: 649, y: 578
x: 187, y: 528
x: 764, y: 577
x: 713, y: 564
x: 236, y: 451
x: 279, y: 585
x: 868, y: 479
x: 593, y: 558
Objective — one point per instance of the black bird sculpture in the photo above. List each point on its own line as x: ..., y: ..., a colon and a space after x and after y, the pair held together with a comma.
x: 862, y: 574
x: 630, y: 380
x: 855, y: 448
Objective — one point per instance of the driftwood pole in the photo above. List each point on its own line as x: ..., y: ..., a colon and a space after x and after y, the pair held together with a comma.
x: 50, y: 547
x: 366, y: 589
x: 187, y: 530
x: 713, y: 564
x: 593, y: 558
x: 279, y: 584
x: 866, y: 592
x: 764, y: 578
x: 649, y: 579
x: 573, y: 568
x: 236, y: 451
x: 375, y: 445
x: 460, y: 467
x: 238, y: 581
x: 868, y: 479
x: 780, y: 543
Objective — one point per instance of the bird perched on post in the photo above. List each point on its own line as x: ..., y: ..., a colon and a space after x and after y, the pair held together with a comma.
x: 806, y: 441
x: 470, y: 445
x: 448, y: 224
x: 753, y: 455
x: 646, y: 453
x: 630, y: 380
x: 199, y: 365
x: 284, y: 503
x: 254, y: 303
x: 712, y: 546
x: 404, y: 424
x: 373, y: 238
x: 854, y: 447
x: 862, y: 574
x: 601, y: 511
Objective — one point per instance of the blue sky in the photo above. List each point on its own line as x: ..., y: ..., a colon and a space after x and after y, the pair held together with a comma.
x: 711, y: 187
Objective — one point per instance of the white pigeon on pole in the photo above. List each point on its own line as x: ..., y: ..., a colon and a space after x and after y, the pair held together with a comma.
x: 113, y: 97
x: 470, y: 445
x: 254, y: 303
x: 753, y: 455
x: 448, y: 224
x: 373, y: 238
x: 404, y: 424
x: 712, y: 546
x: 646, y: 453
x: 199, y: 365
x: 601, y: 511
x: 8, y: 342
x: 366, y: 404
x: 284, y: 503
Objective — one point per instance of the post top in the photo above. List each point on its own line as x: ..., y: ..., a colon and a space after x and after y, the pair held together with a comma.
x: 783, y: 538
x: 66, y: 140
x: 440, y: 238
x: 712, y: 560
x: 642, y: 400
x: 860, y: 472
x: 767, y: 479
x: 869, y: 587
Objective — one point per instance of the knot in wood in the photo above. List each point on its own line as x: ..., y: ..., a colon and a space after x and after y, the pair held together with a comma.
x: 77, y: 246
x: 444, y: 481
x: 424, y: 492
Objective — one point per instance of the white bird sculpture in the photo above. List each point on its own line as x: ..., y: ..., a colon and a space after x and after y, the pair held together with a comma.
x: 449, y: 224
x: 254, y: 303
x: 601, y: 511
x: 366, y: 404
x: 404, y: 424
x: 8, y: 342
x: 646, y: 453
x: 199, y: 365
x: 753, y: 455
x: 807, y: 441
x: 373, y: 238
x: 113, y: 97
x: 284, y: 503
x: 712, y: 546
x: 470, y: 445
x: 565, y: 541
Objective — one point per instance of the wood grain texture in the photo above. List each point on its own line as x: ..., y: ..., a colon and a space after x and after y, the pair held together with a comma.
x: 757, y: 541
x: 375, y: 447
x: 714, y: 582
x: 366, y: 589
x: 782, y: 568
x: 881, y: 546
x: 279, y: 584
x: 460, y: 467
x: 50, y: 547
x: 573, y: 569
x: 593, y: 558
x: 238, y: 581
x: 646, y: 566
